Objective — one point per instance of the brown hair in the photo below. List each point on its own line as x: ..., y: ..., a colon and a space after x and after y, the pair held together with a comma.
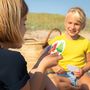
x: 11, y: 12
x: 24, y: 9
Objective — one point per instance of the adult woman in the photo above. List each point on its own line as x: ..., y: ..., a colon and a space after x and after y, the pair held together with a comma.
x: 13, y: 71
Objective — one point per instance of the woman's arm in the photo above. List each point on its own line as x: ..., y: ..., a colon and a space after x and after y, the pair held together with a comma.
x: 43, y: 54
x: 38, y: 79
x: 26, y: 86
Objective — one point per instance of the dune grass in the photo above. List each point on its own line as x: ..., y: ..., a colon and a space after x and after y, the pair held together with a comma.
x: 45, y: 21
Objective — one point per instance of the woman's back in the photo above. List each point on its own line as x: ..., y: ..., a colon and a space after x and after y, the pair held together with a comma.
x: 13, y: 71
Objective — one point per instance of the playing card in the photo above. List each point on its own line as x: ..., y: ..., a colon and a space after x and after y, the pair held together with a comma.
x: 58, y: 47
x: 72, y: 68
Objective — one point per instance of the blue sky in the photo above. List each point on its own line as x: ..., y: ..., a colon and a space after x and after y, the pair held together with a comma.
x: 57, y: 6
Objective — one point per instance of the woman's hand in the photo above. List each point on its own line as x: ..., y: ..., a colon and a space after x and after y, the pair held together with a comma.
x: 49, y: 61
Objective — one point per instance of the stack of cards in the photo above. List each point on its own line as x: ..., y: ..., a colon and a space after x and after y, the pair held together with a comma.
x: 72, y: 68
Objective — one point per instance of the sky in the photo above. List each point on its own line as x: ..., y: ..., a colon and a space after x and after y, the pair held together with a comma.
x: 57, y: 6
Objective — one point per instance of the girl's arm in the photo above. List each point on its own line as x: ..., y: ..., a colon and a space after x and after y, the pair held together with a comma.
x: 85, y: 69
x: 87, y: 66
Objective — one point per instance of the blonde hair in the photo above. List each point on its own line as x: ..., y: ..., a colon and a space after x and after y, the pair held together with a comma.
x: 11, y: 12
x: 80, y: 13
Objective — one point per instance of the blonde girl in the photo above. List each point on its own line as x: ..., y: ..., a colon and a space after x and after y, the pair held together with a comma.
x: 76, y: 51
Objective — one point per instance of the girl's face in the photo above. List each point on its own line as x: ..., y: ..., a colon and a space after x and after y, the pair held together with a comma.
x: 72, y: 25
x: 22, y: 26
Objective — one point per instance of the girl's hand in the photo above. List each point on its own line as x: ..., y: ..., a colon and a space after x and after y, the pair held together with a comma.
x: 57, y: 69
x: 78, y: 73
x: 49, y: 61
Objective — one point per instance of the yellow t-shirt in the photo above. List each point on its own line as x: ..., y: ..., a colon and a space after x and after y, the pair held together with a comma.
x: 74, y: 51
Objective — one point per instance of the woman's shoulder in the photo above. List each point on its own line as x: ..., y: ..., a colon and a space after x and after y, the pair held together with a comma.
x: 11, y: 59
x: 6, y: 52
x: 10, y: 56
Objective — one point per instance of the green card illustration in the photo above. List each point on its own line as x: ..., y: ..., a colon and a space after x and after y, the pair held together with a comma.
x: 58, y: 47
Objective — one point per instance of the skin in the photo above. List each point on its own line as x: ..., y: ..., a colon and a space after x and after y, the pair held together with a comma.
x: 22, y: 25
x: 73, y: 26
